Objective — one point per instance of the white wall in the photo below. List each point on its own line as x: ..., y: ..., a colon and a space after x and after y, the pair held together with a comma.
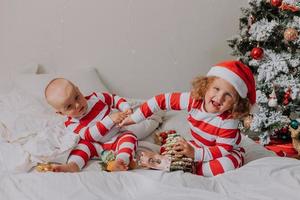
x: 140, y: 47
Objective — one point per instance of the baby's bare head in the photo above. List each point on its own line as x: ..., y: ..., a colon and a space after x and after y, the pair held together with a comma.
x: 58, y: 91
x: 65, y: 98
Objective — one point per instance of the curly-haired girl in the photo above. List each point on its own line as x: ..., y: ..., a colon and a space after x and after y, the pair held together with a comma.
x: 215, y: 105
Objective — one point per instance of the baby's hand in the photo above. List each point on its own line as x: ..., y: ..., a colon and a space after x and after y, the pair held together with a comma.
x: 182, y: 147
x: 128, y: 111
x: 127, y: 121
x: 118, y: 117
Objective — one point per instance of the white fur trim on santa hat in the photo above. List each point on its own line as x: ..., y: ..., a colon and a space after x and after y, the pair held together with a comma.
x: 231, y: 77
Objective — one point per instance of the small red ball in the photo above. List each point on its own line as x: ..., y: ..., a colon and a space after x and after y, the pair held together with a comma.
x: 162, y: 149
x: 286, y: 102
x: 163, y: 135
x: 284, y: 130
x: 257, y: 53
x: 276, y: 3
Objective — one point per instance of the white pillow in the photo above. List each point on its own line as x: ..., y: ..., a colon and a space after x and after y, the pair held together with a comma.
x: 8, y: 75
x: 76, y: 74
x: 177, y: 120
x: 23, y: 116
x: 146, y: 127
x: 86, y: 79
x: 253, y: 150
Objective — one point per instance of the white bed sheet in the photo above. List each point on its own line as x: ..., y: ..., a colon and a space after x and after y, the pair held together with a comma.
x: 264, y: 176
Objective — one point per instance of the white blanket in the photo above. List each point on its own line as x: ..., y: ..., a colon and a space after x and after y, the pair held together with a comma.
x: 265, y: 178
x: 30, y: 132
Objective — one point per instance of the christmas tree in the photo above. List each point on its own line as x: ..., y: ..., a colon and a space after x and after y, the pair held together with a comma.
x: 269, y: 44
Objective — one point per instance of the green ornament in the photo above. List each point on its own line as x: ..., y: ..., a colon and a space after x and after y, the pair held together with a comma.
x: 294, y: 124
x: 106, y: 156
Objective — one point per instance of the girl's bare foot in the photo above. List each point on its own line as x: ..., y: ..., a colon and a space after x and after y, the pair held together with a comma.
x: 69, y: 167
x: 117, y: 165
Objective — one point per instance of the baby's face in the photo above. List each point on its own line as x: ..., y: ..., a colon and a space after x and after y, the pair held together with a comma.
x: 73, y: 103
x: 220, y: 96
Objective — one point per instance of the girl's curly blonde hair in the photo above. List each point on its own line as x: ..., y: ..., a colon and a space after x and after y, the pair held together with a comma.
x: 200, y: 85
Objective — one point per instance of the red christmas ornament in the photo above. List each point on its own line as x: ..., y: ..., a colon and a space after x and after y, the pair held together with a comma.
x: 257, y: 53
x: 285, y: 102
x: 285, y: 6
x: 284, y: 134
x: 287, y: 97
x: 284, y: 130
x: 163, y: 135
x: 276, y: 3
x: 162, y: 149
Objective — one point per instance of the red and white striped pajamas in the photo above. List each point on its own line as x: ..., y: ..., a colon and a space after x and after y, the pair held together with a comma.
x: 216, y: 136
x: 98, y: 132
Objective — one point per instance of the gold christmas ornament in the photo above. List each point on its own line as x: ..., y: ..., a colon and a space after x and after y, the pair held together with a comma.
x: 290, y: 34
x: 247, y: 121
x: 44, y: 167
x: 295, y: 135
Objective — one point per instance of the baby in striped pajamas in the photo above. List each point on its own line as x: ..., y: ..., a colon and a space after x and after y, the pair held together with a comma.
x: 215, y: 105
x: 92, y: 119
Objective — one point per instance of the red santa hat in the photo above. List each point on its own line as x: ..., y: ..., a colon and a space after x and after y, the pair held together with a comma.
x: 238, y: 75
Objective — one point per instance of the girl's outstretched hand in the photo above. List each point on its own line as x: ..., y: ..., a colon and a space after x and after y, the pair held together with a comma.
x: 182, y: 147
x: 127, y: 121
x: 118, y: 117
x: 128, y: 111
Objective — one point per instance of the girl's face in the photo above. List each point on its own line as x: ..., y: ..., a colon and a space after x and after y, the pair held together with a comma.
x: 220, y: 96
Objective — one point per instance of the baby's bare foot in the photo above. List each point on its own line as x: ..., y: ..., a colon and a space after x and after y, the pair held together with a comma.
x: 69, y: 167
x: 133, y: 164
x: 117, y: 165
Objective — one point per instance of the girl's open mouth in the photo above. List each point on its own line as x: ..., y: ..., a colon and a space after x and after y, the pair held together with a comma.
x: 215, y: 104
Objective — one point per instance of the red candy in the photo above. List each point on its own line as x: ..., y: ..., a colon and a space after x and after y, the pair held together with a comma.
x: 163, y: 135
x: 162, y: 149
